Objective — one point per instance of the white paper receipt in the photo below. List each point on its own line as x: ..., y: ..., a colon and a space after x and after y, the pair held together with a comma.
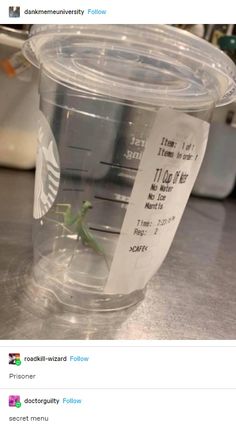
x: 168, y: 169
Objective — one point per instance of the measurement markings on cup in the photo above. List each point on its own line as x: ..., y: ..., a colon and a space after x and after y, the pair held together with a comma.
x: 103, y: 230
x: 111, y: 200
x: 79, y: 148
x: 120, y: 166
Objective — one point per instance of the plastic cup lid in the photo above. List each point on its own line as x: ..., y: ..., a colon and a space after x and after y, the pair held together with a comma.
x: 154, y: 65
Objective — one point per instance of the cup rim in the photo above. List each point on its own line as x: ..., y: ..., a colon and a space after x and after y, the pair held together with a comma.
x: 157, y: 65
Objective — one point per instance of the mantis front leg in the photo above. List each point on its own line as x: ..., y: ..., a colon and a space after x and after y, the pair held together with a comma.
x: 68, y: 219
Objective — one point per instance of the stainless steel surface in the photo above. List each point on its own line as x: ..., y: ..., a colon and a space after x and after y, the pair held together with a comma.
x: 193, y: 296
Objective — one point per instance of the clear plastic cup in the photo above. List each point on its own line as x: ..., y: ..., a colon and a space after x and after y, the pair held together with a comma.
x: 106, y: 93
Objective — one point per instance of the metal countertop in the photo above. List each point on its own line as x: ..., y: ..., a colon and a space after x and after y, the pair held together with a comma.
x: 193, y: 296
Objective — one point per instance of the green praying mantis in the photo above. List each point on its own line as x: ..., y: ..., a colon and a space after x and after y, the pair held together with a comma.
x: 81, y: 227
